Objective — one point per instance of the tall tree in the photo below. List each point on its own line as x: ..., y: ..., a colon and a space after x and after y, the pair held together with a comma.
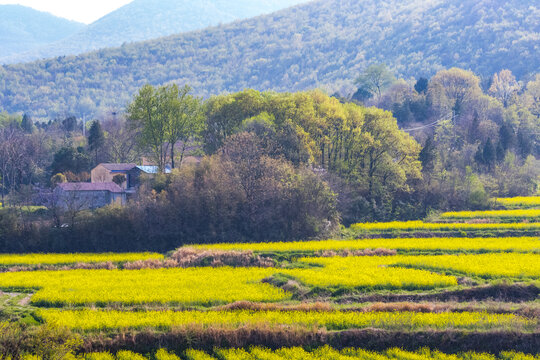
x: 452, y: 90
x: 147, y: 115
x: 421, y: 85
x: 504, y: 86
x: 184, y: 118
x: 489, y: 153
x: 375, y: 79
x: 96, y: 139
x: 27, y: 124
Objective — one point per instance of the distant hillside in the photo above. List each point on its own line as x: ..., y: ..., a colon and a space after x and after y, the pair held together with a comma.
x: 316, y: 44
x: 23, y: 29
x: 149, y: 19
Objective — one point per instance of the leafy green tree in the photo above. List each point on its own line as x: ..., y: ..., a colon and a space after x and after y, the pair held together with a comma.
x: 454, y: 89
x: 147, y: 114
x: 163, y: 117
x: 185, y: 118
x: 504, y: 86
x: 375, y: 79
x: 96, y: 139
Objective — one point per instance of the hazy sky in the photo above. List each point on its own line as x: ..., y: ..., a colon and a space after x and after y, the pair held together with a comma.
x: 85, y: 11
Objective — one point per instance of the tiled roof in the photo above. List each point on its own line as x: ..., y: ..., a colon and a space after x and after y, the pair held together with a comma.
x: 119, y: 167
x: 108, y: 186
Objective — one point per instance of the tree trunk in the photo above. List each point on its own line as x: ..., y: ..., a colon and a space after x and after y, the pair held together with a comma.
x: 172, y: 156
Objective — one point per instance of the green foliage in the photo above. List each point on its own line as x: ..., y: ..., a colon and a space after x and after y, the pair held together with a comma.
x: 96, y: 138
x: 316, y: 44
x: 126, y: 25
x: 163, y: 117
x: 375, y: 79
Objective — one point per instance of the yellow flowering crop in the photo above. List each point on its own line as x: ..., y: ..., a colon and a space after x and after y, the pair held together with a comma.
x: 485, y: 265
x: 420, y: 225
x: 96, y: 320
x: 518, y: 213
x: 57, y: 259
x: 517, y: 244
x: 520, y: 201
x: 368, y: 272
x: 201, y: 286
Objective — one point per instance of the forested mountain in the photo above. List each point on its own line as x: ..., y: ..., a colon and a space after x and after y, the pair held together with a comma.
x: 316, y: 44
x: 23, y: 29
x: 149, y: 19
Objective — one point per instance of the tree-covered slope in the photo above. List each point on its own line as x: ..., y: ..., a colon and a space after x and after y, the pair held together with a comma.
x: 23, y: 29
x: 319, y: 43
x: 149, y: 19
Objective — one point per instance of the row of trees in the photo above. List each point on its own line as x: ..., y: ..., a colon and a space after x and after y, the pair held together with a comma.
x: 486, y: 128
x: 280, y: 165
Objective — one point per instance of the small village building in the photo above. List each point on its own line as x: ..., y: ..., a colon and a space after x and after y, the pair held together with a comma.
x: 82, y: 196
x: 105, y: 173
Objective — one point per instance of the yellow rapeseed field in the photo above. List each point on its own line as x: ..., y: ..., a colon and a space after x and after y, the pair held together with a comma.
x: 96, y: 320
x: 516, y: 244
x: 520, y: 201
x: 420, y: 225
x: 197, y: 286
x: 485, y: 265
x: 517, y: 213
x: 368, y: 272
x: 297, y: 353
x: 60, y: 259
x: 211, y: 286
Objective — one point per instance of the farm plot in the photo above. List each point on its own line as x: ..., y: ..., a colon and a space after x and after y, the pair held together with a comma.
x: 193, y: 286
x: 65, y: 259
x: 531, y: 214
x: 97, y: 320
x: 447, y: 244
x: 520, y: 202
x: 425, y: 226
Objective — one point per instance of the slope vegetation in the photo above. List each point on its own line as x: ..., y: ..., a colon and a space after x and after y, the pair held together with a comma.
x: 23, y: 29
x: 148, y: 19
x: 315, y: 44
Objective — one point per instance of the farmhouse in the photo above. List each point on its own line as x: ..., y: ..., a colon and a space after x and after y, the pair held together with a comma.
x: 79, y: 196
x: 104, y: 189
x: 105, y: 173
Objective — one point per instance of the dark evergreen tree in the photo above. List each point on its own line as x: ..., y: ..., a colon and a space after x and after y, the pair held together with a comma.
x: 96, y: 139
x: 473, y: 130
x: 489, y: 153
x: 69, y: 124
x: 479, y: 155
x: 501, y: 152
x: 421, y: 85
x: 27, y: 124
x: 506, y: 136
x: 428, y: 155
x: 524, y: 143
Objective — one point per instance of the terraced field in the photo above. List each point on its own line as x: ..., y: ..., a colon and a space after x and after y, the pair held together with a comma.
x: 455, y: 294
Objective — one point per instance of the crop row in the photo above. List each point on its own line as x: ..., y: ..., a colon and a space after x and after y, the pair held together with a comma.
x: 423, y: 226
x: 516, y: 244
x: 98, y: 320
x: 211, y: 286
x: 64, y: 259
x: 520, y: 201
x: 324, y: 353
x: 517, y: 213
